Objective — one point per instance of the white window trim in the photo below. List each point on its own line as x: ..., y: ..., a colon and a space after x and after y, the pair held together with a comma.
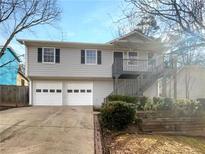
x: 95, y: 59
x: 43, y: 56
x: 129, y: 58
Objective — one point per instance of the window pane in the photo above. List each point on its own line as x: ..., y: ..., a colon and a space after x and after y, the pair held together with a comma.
x: 132, y: 55
x: 82, y: 90
x: 69, y: 90
x: 52, y: 90
x: 58, y: 90
x: 45, y: 90
x: 91, y: 56
x: 38, y: 90
x: 76, y: 90
x: 48, y: 55
x: 89, y: 91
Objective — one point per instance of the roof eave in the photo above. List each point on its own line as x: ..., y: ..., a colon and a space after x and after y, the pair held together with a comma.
x: 130, y: 33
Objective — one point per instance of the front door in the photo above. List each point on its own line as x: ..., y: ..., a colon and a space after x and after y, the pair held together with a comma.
x: 118, y: 55
x: 118, y: 61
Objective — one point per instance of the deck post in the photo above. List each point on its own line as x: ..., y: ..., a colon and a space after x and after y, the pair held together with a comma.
x: 164, y: 86
x: 115, y: 85
x: 175, y: 75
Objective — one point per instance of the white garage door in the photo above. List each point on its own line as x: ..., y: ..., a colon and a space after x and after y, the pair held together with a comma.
x: 47, y: 93
x: 79, y: 93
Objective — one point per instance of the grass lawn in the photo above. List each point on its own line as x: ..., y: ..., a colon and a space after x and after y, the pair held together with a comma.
x: 125, y: 143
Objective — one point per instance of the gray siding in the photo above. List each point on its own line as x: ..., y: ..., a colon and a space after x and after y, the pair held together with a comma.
x: 70, y: 65
x: 101, y: 89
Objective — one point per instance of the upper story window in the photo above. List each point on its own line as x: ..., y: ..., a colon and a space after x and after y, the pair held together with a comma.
x: 49, y: 55
x: 132, y: 56
x: 91, y: 56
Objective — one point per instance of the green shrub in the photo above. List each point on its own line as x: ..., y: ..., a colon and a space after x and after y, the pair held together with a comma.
x: 201, y: 100
x: 149, y: 105
x: 128, y: 99
x: 167, y: 104
x: 157, y: 100
x: 162, y: 103
x: 179, y: 107
x: 117, y: 115
x: 141, y: 102
x: 185, y: 107
x: 115, y: 98
x: 202, y: 103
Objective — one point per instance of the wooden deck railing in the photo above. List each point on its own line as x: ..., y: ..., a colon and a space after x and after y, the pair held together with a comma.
x: 132, y: 65
x: 145, y: 72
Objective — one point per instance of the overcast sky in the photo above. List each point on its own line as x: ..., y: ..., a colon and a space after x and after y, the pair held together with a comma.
x: 81, y: 21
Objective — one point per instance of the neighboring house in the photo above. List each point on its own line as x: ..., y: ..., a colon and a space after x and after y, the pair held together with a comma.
x: 190, y: 84
x: 68, y: 73
x: 10, y: 72
x: 21, y: 80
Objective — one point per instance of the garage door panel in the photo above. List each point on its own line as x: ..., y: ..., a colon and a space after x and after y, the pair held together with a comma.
x: 47, y: 93
x: 79, y: 93
x: 58, y: 92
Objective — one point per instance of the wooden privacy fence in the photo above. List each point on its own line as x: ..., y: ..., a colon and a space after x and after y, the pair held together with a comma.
x: 164, y: 122
x: 14, y: 96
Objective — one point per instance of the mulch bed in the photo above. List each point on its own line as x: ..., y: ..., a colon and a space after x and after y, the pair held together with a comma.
x: 132, y: 140
x: 104, y: 137
x: 108, y: 137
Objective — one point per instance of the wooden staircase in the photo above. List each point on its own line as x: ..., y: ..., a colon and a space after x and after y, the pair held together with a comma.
x: 138, y: 85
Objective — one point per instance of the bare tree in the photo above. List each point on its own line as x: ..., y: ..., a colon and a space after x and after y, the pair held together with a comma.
x: 147, y: 25
x: 189, y: 48
x: 7, y: 8
x: 184, y: 15
x: 132, y: 21
x: 181, y: 21
x: 24, y: 14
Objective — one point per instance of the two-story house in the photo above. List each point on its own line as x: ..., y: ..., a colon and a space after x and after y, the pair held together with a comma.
x: 72, y: 73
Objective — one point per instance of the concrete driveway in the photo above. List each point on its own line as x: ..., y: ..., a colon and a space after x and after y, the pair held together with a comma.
x: 47, y: 130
